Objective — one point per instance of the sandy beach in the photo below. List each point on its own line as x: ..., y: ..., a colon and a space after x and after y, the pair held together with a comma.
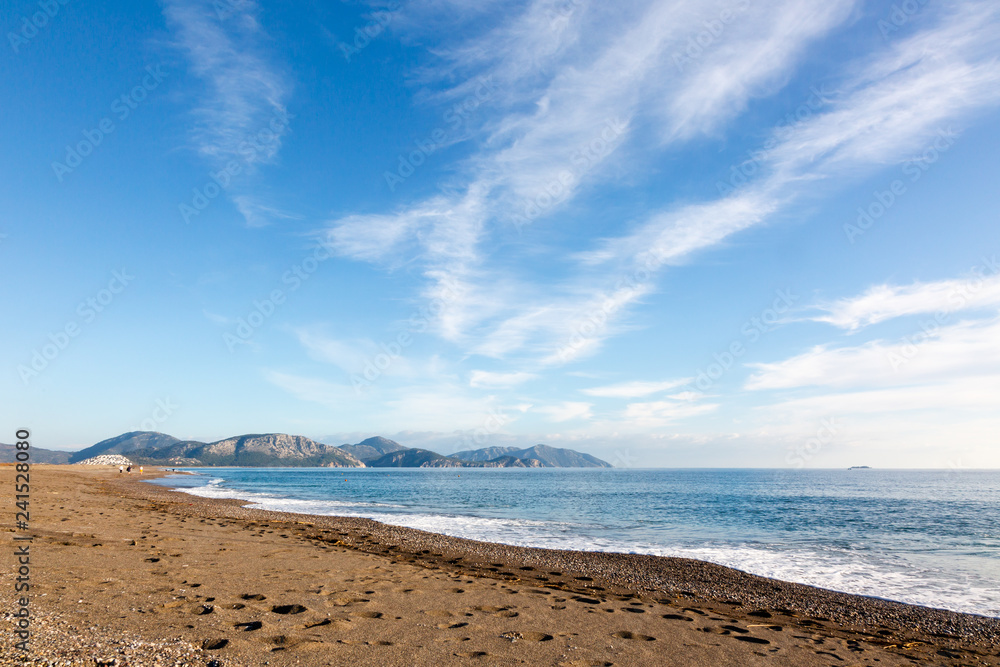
x: 127, y: 573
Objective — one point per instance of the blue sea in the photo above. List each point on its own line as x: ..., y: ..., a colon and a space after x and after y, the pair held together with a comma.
x: 923, y: 537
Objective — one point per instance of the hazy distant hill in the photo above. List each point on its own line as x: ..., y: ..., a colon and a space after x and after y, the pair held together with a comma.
x: 415, y: 458
x: 422, y: 458
x: 554, y: 457
x: 511, y: 462
x: 373, y: 448
x: 259, y: 450
x: 125, y: 443
x: 8, y: 454
x: 484, y: 454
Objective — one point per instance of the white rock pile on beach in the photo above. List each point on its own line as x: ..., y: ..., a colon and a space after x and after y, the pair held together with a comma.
x: 106, y: 460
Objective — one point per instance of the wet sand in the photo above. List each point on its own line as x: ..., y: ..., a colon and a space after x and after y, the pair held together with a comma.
x: 143, y: 575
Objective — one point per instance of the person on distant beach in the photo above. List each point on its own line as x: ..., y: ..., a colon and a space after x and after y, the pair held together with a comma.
x: 121, y: 469
x: 140, y: 470
x: 129, y: 470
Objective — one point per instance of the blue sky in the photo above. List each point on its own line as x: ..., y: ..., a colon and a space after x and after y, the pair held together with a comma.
x: 665, y: 233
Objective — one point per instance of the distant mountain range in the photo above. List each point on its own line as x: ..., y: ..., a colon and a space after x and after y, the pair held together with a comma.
x: 8, y: 454
x: 281, y: 450
x: 549, y: 457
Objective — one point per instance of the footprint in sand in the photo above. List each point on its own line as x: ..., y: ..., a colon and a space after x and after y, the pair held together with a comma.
x: 450, y: 626
x: 472, y: 654
x: 253, y: 596
x: 439, y: 613
x: 751, y: 640
x: 526, y: 636
x: 249, y: 626
x: 368, y: 614
x: 625, y: 634
x: 580, y: 598
x: 214, y: 644
x: 288, y: 609
x: 677, y: 617
x: 586, y: 663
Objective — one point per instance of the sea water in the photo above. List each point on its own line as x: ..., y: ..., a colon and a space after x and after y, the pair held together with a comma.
x: 923, y: 537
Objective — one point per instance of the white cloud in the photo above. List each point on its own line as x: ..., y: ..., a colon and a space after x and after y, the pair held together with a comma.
x: 934, y: 351
x: 583, y: 101
x: 313, y: 390
x: 241, y: 114
x: 490, y: 379
x: 260, y: 215
x: 364, y: 358
x: 566, y: 411
x: 889, y: 105
x: 634, y: 389
x: 656, y: 413
x: 884, y: 302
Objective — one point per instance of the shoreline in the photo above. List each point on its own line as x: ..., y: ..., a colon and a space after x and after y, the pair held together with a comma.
x: 710, y: 613
x: 622, y: 572
x: 602, y: 552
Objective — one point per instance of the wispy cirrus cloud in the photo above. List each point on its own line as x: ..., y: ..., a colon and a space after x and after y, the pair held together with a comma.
x: 966, y: 348
x: 488, y: 379
x: 885, y: 108
x: 240, y: 111
x: 659, y: 413
x: 635, y: 389
x: 884, y: 302
x: 566, y: 411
